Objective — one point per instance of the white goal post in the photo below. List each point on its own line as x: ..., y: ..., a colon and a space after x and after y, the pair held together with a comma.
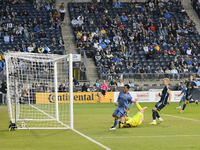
x: 40, y: 90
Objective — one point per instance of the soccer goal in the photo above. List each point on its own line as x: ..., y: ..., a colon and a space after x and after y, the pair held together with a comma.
x: 40, y: 90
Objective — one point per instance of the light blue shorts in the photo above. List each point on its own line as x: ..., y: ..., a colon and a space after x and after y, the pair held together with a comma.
x: 183, y: 98
x: 118, y: 112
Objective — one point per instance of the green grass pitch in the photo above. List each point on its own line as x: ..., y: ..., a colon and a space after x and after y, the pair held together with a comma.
x: 176, y: 132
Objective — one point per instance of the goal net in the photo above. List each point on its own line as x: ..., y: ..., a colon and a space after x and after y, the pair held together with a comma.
x: 39, y: 90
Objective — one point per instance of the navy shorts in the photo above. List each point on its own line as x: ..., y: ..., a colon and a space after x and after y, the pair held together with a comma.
x: 160, y: 105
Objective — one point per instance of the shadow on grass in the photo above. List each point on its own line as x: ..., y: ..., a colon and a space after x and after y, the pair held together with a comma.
x: 6, y: 130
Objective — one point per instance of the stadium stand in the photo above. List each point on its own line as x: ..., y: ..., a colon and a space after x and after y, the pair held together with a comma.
x: 30, y: 27
x: 137, y: 40
x: 196, y: 6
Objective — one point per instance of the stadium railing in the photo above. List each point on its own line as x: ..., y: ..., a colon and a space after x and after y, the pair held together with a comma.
x: 86, y: 66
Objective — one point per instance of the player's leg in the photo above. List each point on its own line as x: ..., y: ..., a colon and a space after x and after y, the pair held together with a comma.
x: 197, y: 102
x: 155, y: 113
x: 116, y: 118
x: 192, y: 101
x: 99, y: 96
x: 141, y: 118
x: 184, y: 105
x: 117, y: 114
x: 138, y: 106
x: 123, y: 119
x: 123, y: 122
x: 159, y: 107
x: 141, y: 110
x: 187, y: 101
x: 179, y: 104
x: 188, y: 97
x: 102, y: 93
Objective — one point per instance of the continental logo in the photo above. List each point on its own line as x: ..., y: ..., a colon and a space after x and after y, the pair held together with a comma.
x: 65, y: 97
x: 177, y: 95
x: 142, y: 95
x: 78, y: 97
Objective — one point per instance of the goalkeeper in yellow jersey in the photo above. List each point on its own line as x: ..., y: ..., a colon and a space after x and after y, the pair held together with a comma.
x: 135, y: 120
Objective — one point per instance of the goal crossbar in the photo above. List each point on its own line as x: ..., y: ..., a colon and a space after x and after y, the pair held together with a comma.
x: 38, y: 57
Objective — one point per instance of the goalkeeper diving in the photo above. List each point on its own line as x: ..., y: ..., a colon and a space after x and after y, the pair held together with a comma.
x: 136, y: 120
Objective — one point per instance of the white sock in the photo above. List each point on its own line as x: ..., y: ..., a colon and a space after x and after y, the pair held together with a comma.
x: 160, y: 118
x: 154, y: 120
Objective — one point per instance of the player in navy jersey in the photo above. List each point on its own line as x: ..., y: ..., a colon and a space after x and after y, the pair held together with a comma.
x: 191, y: 85
x: 123, y: 100
x: 166, y: 93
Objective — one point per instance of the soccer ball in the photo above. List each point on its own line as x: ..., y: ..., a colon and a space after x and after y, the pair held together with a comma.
x: 22, y: 124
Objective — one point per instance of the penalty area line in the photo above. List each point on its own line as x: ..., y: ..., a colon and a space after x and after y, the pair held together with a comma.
x: 83, y: 135
x: 181, y: 117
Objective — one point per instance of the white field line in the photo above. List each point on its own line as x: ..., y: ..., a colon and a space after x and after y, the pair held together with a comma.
x: 103, y: 146
x: 50, y: 116
x: 150, y: 136
x: 43, y: 112
x: 181, y: 117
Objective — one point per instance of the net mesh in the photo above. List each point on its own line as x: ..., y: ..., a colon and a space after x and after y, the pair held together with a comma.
x: 32, y: 83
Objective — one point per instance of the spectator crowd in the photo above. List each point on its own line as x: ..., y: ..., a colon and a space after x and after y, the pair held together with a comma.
x: 27, y: 27
x: 150, y: 37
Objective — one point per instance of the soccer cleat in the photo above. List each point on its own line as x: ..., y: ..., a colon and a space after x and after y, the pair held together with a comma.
x: 135, y: 100
x: 112, y: 128
x: 120, y: 124
x: 178, y: 107
x: 197, y: 102
x: 181, y: 111
x: 144, y: 108
x: 160, y: 120
x: 153, y: 123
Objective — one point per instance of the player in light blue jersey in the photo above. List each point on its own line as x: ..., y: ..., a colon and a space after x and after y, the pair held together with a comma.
x: 183, y: 98
x: 123, y: 100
